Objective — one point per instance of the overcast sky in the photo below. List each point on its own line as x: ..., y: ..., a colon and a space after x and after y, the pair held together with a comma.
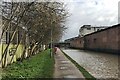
x: 93, y: 12
x: 84, y: 12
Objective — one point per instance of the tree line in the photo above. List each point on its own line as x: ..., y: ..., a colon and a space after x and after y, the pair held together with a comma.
x: 32, y: 24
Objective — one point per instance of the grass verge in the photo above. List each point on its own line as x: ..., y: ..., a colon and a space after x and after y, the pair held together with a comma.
x: 37, y: 66
x: 86, y: 74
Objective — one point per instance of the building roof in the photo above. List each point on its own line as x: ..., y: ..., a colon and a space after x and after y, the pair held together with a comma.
x: 71, y: 39
x: 91, y: 26
x: 114, y: 26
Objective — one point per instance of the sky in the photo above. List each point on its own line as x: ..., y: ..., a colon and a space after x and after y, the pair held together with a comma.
x: 92, y: 12
x: 87, y: 12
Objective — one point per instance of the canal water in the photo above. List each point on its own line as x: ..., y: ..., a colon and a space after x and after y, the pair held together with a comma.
x: 100, y: 65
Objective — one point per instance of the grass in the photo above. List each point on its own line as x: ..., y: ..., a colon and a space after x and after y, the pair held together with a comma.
x: 37, y: 66
x: 86, y: 74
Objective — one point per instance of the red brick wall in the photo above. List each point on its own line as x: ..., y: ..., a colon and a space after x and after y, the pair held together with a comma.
x: 77, y: 43
x: 108, y: 40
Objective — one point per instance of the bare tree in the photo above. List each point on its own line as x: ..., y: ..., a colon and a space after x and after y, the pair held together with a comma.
x: 36, y: 20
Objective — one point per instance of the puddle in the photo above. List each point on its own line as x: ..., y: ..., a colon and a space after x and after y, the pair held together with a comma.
x: 70, y: 76
x: 63, y: 68
x: 64, y: 62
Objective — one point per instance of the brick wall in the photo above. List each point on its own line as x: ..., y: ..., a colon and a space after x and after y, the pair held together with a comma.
x: 77, y: 43
x: 106, y: 40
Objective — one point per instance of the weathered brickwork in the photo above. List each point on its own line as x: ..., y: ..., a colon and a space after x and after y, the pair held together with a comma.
x: 107, y: 40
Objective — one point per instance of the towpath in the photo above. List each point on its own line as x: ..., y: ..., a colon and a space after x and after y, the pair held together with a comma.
x: 64, y: 68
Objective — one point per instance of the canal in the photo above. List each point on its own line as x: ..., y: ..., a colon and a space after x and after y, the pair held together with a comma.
x: 100, y: 65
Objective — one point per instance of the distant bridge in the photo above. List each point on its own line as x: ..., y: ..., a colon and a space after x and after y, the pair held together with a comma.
x: 61, y: 44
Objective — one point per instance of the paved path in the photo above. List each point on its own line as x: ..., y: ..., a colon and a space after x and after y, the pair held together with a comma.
x: 64, y: 68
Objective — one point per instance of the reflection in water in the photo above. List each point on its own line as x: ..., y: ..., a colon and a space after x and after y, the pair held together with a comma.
x: 100, y: 65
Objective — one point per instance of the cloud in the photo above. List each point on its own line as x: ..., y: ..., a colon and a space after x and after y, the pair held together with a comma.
x: 93, y: 12
x: 119, y: 12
